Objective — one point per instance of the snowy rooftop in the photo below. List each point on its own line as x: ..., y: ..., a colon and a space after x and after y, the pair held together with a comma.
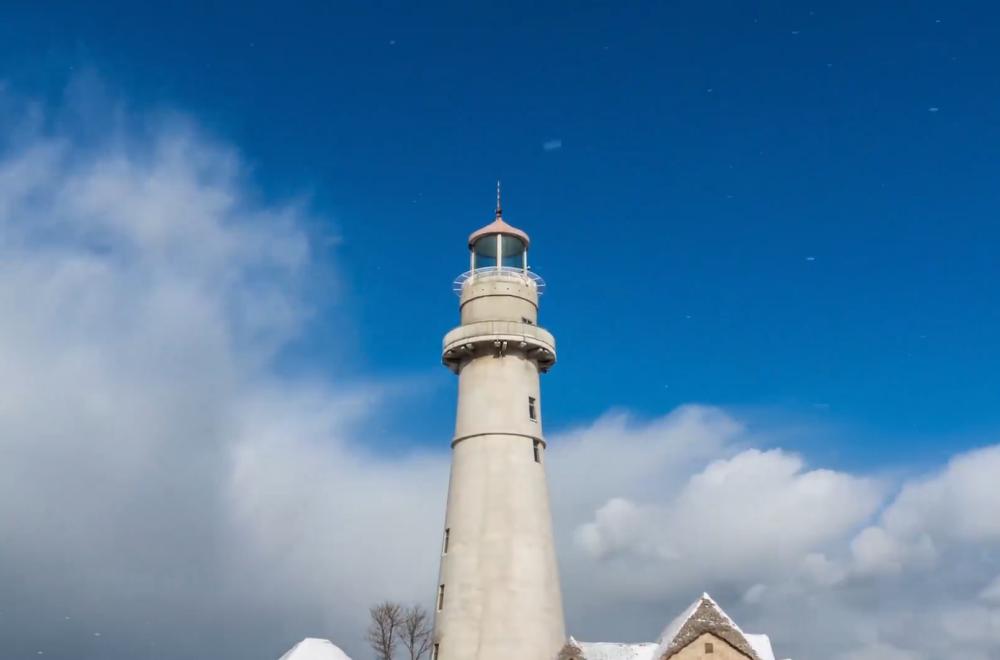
x: 613, y: 651
x: 705, y: 616
x: 702, y: 616
x: 311, y: 648
x: 762, y: 645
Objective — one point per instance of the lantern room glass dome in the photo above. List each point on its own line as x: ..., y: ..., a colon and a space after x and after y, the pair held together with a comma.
x: 499, y: 250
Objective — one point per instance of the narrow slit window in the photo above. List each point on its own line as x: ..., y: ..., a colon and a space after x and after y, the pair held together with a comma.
x: 532, y: 409
x: 434, y: 654
x: 538, y: 451
x: 440, y: 603
x: 447, y: 537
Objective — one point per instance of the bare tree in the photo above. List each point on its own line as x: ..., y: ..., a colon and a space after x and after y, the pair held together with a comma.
x: 384, y: 629
x: 415, y: 632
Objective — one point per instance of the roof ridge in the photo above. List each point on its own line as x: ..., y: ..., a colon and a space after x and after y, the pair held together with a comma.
x: 704, y: 615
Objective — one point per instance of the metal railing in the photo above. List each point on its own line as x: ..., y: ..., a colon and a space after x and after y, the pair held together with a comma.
x: 501, y: 272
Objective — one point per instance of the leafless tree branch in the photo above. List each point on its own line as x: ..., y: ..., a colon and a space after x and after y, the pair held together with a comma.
x: 415, y: 632
x: 384, y: 629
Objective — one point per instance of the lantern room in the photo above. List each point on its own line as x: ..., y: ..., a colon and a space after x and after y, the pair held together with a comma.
x: 499, y: 251
x: 499, y: 246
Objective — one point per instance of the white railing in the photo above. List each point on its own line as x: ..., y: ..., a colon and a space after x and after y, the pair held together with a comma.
x: 493, y: 271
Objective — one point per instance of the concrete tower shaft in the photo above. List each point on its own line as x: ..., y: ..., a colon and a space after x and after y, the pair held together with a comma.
x: 498, y: 594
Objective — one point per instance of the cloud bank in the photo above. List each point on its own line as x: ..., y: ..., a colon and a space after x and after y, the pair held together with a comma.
x: 832, y: 565
x: 166, y: 491
x: 162, y: 492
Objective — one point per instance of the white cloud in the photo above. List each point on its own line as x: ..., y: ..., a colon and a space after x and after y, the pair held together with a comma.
x: 618, y: 525
x: 160, y: 483
x: 820, y: 570
x: 819, y: 559
x: 552, y: 145
x: 755, y: 593
x: 950, y: 505
x: 764, y: 503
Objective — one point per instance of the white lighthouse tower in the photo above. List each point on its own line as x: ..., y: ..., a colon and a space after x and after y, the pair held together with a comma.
x: 498, y: 595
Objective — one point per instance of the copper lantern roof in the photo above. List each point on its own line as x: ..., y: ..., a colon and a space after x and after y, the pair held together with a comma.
x: 498, y: 226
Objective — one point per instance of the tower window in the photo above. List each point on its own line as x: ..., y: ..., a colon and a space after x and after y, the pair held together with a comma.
x: 532, y: 412
x: 447, y: 537
x: 440, y: 603
x: 538, y: 451
x: 434, y: 653
x: 709, y: 647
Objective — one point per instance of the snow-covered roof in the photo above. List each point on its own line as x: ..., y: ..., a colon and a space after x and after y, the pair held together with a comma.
x: 311, y: 648
x: 674, y: 627
x: 704, y: 616
x: 762, y: 645
x: 613, y: 651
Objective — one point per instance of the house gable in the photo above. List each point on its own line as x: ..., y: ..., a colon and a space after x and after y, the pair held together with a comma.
x: 708, y: 647
x: 703, y: 616
x: 571, y: 651
x: 701, y: 632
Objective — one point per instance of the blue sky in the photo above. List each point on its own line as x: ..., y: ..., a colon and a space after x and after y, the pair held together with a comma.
x: 770, y: 205
x: 229, y: 234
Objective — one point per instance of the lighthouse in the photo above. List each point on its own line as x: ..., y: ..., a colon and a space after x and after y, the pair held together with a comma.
x: 498, y: 593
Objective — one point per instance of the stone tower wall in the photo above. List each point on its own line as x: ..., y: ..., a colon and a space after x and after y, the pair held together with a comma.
x: 498, y: 593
